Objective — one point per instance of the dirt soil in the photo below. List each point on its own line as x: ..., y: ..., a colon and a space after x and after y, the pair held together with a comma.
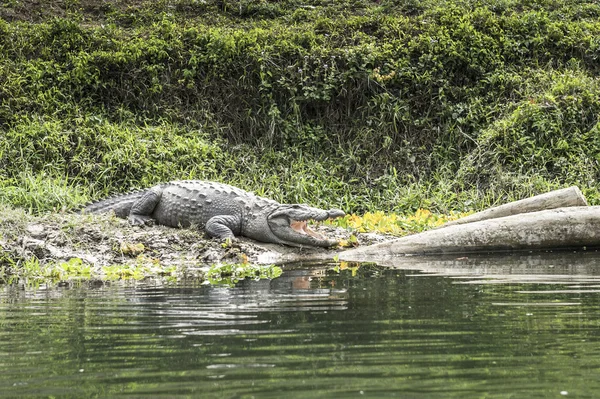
x: 104, y: 240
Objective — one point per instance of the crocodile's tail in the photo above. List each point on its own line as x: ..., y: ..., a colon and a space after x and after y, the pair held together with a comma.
x: 121, y: 204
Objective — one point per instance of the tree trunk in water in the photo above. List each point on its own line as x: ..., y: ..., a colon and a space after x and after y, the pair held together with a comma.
x: 562, y: 228
x: 566, y: 197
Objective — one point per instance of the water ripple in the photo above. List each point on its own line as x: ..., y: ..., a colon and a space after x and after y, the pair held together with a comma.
x: 458, y: 333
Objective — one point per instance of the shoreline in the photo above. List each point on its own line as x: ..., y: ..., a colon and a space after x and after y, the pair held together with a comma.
x: 65, y: 246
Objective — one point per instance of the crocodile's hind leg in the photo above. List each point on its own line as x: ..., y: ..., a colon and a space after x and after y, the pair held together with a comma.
x: 141, y: 211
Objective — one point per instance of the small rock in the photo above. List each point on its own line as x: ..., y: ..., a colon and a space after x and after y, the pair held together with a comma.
x: 36, y: 230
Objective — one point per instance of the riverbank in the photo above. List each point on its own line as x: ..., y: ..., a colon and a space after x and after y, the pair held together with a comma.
x: 67, y: 247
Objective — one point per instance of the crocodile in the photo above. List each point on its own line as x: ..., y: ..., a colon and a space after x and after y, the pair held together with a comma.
x: 223, y: 211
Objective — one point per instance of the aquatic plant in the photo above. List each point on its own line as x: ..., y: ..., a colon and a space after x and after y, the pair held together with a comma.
x: 32, y: 272
x: 232, y: 273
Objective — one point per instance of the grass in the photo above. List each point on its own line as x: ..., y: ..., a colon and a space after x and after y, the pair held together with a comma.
x: 40, y: 192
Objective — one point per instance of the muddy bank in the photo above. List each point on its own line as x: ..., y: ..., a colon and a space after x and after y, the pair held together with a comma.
x: 103, y: 241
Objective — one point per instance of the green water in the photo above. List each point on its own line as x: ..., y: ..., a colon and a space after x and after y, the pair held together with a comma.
x: 507, y: 327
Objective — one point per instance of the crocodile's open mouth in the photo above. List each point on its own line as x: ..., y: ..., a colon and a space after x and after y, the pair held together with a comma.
x: 301, y: 226
x: 289, y: 225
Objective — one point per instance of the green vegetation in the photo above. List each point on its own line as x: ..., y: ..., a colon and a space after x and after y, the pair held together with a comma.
x: 32, y: 273
x: 394, y: 224
x: 143, y: 268
x: 232, y: 273
x: 443, y: 105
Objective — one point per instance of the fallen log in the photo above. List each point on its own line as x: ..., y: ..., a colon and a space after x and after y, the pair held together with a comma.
x: 572, y: 227
x: 566, y: 197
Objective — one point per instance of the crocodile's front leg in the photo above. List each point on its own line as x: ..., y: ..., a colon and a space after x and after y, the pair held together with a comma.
x: 223, y: 226
x: 142, y: 209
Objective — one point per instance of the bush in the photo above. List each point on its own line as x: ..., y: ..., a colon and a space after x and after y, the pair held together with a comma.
x: 352, y: 101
